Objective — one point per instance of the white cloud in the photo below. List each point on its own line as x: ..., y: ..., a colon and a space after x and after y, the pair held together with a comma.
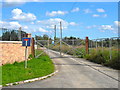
x: 103, y: 28
x: 91, y: 27
x: 106, y: 27
x: 13, y: 25
x: 32, y: 23
x: 50, y: 23
x: 102, y: 16
x: 117, y: 23
x: 100, y: 10
x: 88, y: 27
x: 105, y: 15
x: 25, y: 27
x: 112, y: 28
x: 19, y: 15
x: 56, y: 13
x: 10, y: 25
x: 53, y: 21
x: 76, y: 9
x: 96, y: 15
x: 42, y: 30
x: 87, y: 11
x: 17, y: 11
x: 72, y: 23
x: 9, y: 3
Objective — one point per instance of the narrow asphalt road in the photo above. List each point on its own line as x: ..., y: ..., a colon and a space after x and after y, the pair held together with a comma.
x: 76, y: 73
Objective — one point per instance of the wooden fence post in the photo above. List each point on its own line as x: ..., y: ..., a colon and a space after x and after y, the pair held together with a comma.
x: 87, y: 45
x: 32, y: 47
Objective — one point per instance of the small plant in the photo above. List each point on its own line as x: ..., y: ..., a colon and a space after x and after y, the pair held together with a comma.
x: 31, y: 56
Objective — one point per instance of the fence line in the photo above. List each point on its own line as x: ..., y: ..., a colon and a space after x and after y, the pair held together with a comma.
x: 105, y: 43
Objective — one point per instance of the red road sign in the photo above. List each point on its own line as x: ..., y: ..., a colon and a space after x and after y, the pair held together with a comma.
x: 26, y: 39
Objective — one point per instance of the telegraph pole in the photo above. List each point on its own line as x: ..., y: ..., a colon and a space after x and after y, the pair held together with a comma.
x: 20, y: 29
x: 55, y: 34
x: 60, y: 38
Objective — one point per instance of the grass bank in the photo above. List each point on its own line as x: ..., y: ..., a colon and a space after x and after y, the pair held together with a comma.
x: 36, y: 68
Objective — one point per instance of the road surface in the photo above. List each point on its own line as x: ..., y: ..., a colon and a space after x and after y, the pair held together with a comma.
x: 76, y: 73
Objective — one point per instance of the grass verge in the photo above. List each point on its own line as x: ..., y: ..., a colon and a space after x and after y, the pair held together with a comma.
x: 36, y: 68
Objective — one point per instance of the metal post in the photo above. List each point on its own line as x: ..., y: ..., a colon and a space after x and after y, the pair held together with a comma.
x: 10, y: 35
x: 19, y: 33
x: 26, y: 57
x: 55, y: 34
x: 102, y: 45
x: 33, y: 47
x: 48, y: 45
x: 72, y: 41
x: 96, y: 44
x: 110, y: 47
x: 61, y: 39
x: 91, y: 43
x: 87, y: 45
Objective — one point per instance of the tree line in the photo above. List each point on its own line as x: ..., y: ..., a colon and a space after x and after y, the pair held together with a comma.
x: 12, y: 35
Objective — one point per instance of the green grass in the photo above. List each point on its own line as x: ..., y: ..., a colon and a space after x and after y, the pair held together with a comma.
x: 36, y: 68
x: 104, y: 58
x: 0, y: 75
x: 96, y: 56
x: 39, y: 51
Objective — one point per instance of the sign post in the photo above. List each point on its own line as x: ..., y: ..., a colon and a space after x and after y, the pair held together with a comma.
x: 26, y: 42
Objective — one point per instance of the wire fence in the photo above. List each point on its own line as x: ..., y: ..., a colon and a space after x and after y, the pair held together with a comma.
x: 108, y: 45
x: 11, y: 35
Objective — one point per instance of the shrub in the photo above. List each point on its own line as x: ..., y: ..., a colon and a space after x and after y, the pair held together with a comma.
x: 31, y: 56
x: 114, y: 62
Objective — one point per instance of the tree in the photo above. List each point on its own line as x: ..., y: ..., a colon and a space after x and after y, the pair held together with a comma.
x: 14, y: 36
x: 6, y: 36
x: 45, y: 37
x: 38, y: 38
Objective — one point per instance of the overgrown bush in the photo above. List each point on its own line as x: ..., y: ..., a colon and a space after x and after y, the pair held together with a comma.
x: 114, y: 62
x: 104, y: 58
x: 97, y: 56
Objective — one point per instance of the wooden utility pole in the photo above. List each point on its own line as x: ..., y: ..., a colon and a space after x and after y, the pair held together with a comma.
x: 55, y: 33
x: 87, y: 45
x: 19, y: 34
x: 60, y: 38
x: 33, y: 48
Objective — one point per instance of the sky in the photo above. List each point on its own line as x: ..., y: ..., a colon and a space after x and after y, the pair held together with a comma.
x: 79, y: 19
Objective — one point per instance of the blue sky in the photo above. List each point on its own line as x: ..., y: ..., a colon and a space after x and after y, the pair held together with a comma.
x: 79, y: 19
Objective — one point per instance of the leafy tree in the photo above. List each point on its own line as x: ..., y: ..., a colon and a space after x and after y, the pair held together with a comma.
x: 6, y: 36
x: 73, y: 40
x: 45, y: 37
x: 14, y: 36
